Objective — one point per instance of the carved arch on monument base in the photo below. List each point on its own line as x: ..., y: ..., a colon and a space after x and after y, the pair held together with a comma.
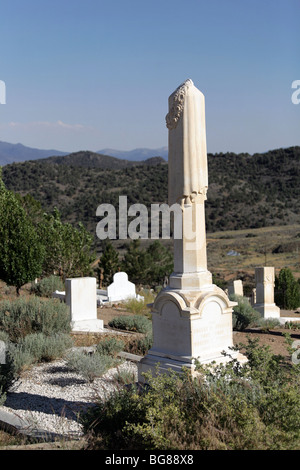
x: 183, y: 306
x: 194, y: 304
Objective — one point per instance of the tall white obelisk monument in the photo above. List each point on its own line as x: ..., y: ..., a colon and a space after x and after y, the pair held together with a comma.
x: 191, y: 318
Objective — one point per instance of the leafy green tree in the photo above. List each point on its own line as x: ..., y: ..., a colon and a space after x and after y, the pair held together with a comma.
x: 287, y: 290
x: 32, y: 207
x: 21, y: 251
x: 108, y: 264
x: 68, y: 249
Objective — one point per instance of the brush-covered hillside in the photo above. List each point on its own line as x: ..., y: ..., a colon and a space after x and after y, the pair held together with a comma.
x: 245, y: 191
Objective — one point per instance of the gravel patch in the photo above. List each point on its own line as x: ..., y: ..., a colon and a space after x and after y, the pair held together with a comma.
x: 50, y: 396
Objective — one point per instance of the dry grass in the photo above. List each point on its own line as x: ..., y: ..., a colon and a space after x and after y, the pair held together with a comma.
x: 255, y: 247
x: 8, y: 439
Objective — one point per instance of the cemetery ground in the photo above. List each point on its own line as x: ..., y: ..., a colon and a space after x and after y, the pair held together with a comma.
x: 235, y: 254
x: 278, y: 247
x: 273, y: 338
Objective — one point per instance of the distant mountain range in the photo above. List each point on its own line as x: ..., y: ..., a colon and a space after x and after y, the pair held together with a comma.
x: 14, y: 153
x: 136, y: 154
x: 87, y: 159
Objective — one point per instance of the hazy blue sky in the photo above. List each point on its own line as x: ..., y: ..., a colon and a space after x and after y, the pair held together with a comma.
x: 91, y: 74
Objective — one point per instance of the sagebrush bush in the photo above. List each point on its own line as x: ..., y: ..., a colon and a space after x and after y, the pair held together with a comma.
x: 4, y: 336
x: 46, y: 348
x: 21, y: 359
x: 110, y: 346
x: 21, y: 317
x: 227, y: 407
x: 243, y: 315
x: 136, y: 323
x: 125, y: 377
x: 46, y: 286
x: 267, y: 324
x: 38, y: 347
x: 140, y: 346
x: 91, y: 366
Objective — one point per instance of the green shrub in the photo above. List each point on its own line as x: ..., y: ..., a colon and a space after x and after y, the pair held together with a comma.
x: 8, y: 375
x: 243, y: 315
x: 2, y: 397
x: 21, y: 317
x: 135, y: 306
x: 136, y: 323
x: 227, y: 407
x: 21, y: 359
x: 290, y: 325
x: 45, y: 287
x: 140, y: 324
x: 125, y: 377
x: 91, y: 366
x: 267, y: 324
x: 4, y: 336
x: 46, y: 348
x: 139, y: 307
x: 38, y: 347
x: 110, y: 346
x: 140, y: 346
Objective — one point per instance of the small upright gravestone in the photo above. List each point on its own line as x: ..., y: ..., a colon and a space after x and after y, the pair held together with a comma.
x: 121, y: 288
x: 81, y: 297
x: 236, y: 288
x: 264, y: 301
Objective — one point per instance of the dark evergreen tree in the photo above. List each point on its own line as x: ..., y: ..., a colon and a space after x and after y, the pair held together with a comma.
x: 287, y: 290
x: 161, y: 263
x: 148, y: 267
x: 108, y: 265
x: 136, y: 263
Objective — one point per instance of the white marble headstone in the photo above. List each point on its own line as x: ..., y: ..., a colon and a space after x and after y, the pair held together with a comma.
x: 121, y: 288
x: 81, y: 297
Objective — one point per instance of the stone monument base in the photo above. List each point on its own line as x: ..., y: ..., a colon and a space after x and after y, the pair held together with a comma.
x: 163, y: 365
x: 267, y: 310
x: 189, y: 326
x: 87, y: 326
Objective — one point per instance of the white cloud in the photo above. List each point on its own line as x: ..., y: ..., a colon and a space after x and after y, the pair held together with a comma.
x: 44, y: 125
x: 69, y: 126
x: 58, y: 134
